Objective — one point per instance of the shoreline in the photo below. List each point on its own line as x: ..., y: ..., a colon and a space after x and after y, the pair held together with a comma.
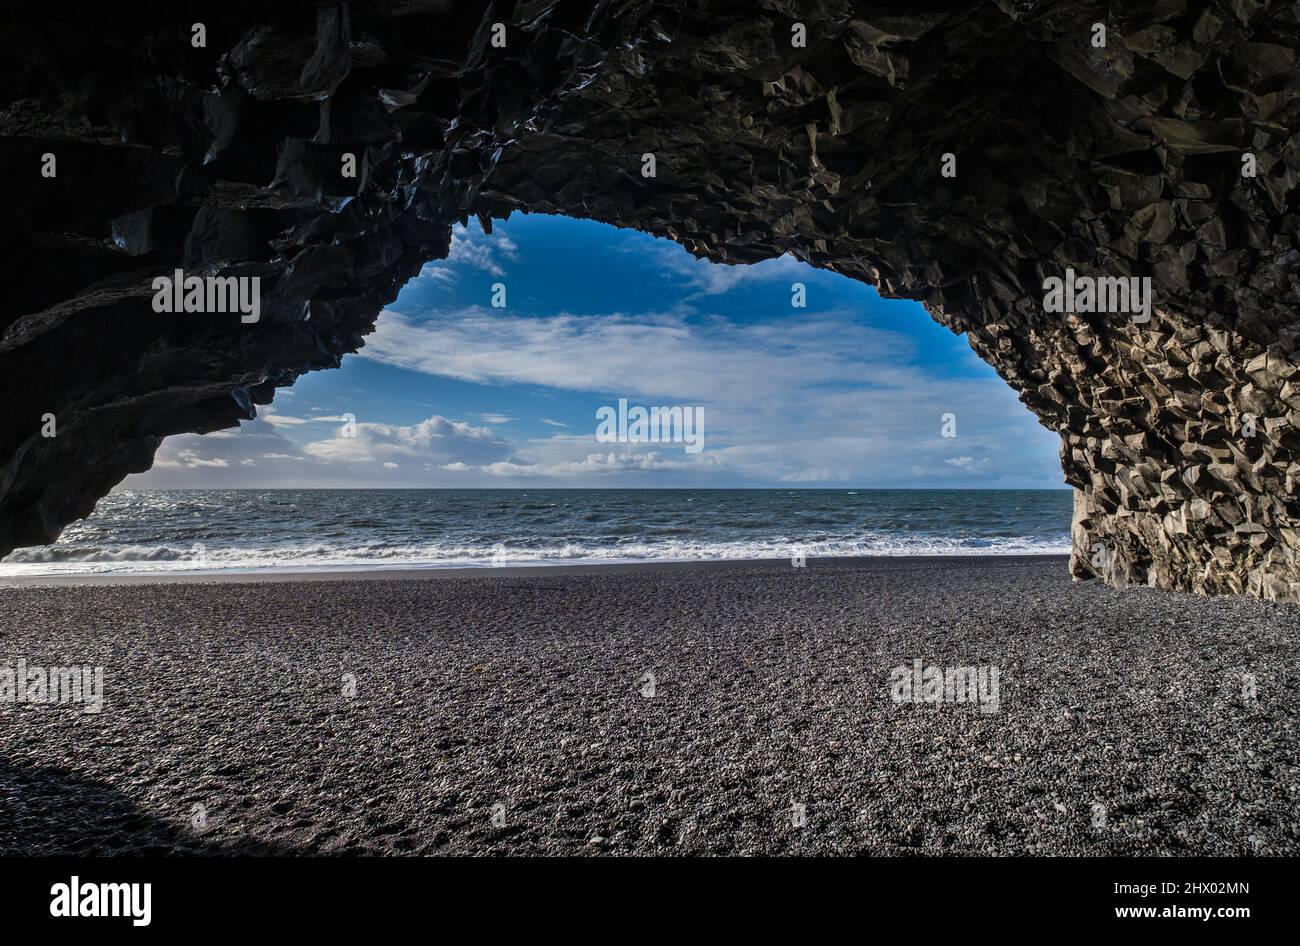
x: 417, y: 572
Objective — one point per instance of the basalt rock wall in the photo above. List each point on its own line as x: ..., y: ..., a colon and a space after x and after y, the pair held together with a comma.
x: 1170, y: 151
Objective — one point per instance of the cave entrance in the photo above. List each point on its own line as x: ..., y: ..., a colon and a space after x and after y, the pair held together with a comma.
x: 623, y: 400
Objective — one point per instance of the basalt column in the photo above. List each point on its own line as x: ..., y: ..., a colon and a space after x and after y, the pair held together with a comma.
x: 955, y: 153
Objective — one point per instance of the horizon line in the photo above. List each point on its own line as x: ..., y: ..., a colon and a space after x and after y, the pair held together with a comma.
x: 666, y: 489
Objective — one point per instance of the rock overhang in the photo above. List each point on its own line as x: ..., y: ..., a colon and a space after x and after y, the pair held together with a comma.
x: 1122, y: 160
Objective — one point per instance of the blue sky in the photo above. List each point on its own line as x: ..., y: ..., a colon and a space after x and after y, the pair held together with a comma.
x: 450, y: 392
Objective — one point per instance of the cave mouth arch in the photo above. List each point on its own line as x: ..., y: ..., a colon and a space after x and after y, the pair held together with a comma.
x: 1125, y: 160
x: 447, y: 392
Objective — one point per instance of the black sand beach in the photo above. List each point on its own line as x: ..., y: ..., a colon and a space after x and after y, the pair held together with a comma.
x: 505, y: 712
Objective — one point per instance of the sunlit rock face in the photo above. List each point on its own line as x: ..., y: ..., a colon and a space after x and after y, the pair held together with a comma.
x: 1128, y: 159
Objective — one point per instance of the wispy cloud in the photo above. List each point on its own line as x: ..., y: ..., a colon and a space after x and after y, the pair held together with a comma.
x: 706, y: 278
x: 659, y: 354
x: 471, y: 248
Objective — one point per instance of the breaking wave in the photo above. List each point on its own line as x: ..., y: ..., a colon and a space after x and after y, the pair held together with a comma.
x: 223, y: 531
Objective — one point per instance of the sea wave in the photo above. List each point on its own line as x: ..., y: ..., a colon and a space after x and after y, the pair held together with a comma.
x: 168, y: 559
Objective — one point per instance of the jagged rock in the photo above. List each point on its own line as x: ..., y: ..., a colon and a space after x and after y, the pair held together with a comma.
x: 1178, y: 434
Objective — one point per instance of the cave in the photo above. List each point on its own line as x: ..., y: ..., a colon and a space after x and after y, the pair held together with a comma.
x: 957, y: 154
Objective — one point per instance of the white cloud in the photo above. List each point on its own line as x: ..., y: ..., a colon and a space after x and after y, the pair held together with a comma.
x: 473, y: 249
x: 262, y: 456
x: 657, y: 354
x: 272, y: 416
x: 435, y: 440
x: 190, y: 459
x: 816, y: 399
x: 627, y: 459
x: 710, y: 279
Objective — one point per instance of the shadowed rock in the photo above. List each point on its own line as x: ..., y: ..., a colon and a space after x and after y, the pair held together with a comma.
x: 1179, y: 434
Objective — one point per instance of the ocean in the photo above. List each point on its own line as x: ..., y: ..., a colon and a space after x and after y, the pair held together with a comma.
x: 213, y: 530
